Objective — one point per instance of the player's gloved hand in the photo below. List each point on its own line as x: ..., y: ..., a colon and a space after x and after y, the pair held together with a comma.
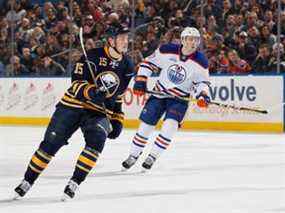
x: 203, y: 99
x: 99, y: 96
x: 117, y: 129
x: 140, y: 85
x: 117, y: 124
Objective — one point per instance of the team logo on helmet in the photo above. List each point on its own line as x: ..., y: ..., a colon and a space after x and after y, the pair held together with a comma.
x: 109, y: 82
x: 176, y: 74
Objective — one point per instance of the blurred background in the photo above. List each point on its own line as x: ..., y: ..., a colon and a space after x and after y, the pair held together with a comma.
x: 39, y: 38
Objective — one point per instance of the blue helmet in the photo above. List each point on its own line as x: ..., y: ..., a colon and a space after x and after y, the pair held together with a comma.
x: 116, y: 29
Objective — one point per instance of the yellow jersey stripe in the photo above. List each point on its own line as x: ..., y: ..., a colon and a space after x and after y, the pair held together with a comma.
x: 71, y: 105
x: 72, y: 100
x: 87, y: 161
x: 38, y: 162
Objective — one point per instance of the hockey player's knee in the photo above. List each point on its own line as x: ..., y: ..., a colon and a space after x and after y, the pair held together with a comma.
x: 96, y: 140
x: 169, y: 128
x: 145, y: 129
x: 95, y: 133
x: 52, y: 142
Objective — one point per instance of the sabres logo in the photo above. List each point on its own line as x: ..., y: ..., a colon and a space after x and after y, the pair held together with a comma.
x: 109, y: 82
x: 176, y: 74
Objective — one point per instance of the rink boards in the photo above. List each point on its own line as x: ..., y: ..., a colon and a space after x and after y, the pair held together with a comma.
x: 31, y: 101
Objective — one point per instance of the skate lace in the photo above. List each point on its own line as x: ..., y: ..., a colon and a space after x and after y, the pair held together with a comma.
x: 72, y: 185
x: 25, y: 185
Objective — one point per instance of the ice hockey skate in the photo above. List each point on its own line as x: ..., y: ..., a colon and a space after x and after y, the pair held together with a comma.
x: 147, y: 164
x: 69, y: 190
x: 129, y: 162
x: 22, y: 189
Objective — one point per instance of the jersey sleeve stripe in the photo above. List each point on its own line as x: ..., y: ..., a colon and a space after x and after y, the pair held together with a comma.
x: 147, y: 67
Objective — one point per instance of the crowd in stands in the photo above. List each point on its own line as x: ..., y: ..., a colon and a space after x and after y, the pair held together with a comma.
x: 40, y: 38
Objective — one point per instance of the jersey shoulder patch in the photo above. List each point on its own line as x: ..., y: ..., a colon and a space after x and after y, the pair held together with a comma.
x: 169, y: 48
x: 201, y: 59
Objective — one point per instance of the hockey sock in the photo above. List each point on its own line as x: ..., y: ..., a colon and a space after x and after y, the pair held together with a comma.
x: 86, y: 161
x: 38, y: 163
x: 163, y: 140
x: 140, y: 139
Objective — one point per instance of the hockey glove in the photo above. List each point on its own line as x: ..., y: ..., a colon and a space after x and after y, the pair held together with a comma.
x: 99, y: 97
x: 117, y: 124
x: 140, y: 86
x: 203, y: 99
x: 117, y: 129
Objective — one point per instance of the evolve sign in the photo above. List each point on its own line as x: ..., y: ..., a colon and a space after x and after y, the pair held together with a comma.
x: 233, y: 92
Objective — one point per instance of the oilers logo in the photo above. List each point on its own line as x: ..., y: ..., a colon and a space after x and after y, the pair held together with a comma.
x: 176, y: 74
x: 109, y: 82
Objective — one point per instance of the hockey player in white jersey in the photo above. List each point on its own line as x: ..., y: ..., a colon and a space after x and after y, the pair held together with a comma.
x: 181, y: 69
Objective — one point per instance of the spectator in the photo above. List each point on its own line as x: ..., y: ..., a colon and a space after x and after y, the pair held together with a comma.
x: 50, y: 20
x: 77, y: 14
x: 212, y: 27
x: 227, y: 10
x: 51, y: 45
x: 236, y: 64
x: 48, y: 67
x: 245, y: 49
x: 27, y: 59
x: 15, y: 68
x: 261, y: 63
x: 268, y: 19
x: 254, y: 36
x: 38, y: 15
x: 251, y: 20
x: 273, y: 60
x: 282, y: 23
x: 89, y: 27
x: 219, y: 63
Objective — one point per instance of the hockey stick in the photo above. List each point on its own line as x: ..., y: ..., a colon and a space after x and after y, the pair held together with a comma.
x: 211, y: 103
x: 239, y: 108
x: 60, y: 53
x: 92, y: 73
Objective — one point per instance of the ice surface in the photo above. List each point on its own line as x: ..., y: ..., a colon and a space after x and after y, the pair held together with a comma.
x: 199, y: 173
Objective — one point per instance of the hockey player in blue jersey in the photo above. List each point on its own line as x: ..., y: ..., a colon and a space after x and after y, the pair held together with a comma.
x: 92, y: 103
x: 181, y: 69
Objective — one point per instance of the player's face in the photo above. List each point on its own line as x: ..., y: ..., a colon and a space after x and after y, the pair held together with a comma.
x: 122, y: 42
x: 190, y: 43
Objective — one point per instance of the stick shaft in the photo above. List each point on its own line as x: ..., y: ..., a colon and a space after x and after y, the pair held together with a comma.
x: 91, y: 71
x: 211, y: 103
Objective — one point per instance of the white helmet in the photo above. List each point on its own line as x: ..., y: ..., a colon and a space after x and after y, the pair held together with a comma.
x: 193, y: 32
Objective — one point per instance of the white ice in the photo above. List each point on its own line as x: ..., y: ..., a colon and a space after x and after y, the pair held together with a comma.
x: 199, y: 173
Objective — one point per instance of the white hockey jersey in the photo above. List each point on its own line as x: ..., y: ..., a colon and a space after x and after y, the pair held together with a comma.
x: 178, y: 75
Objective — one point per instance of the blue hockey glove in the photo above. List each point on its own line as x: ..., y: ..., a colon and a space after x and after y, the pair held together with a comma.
x: 117, y: 129
x: 99, y: 97
x: 203, y: 99
x: 117, y: 124
x: 95, y: 95
x: 140, y: 85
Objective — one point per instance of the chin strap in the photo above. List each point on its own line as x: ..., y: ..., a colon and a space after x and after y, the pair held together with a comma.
x: 114, y: 48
